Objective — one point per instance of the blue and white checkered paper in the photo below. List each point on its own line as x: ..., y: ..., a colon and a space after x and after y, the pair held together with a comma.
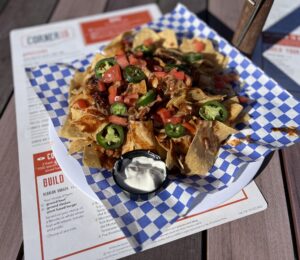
x: 144, y: 221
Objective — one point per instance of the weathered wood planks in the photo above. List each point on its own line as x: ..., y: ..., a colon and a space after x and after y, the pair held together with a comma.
x: 67, y: 9
x: 291, y: 164
x: 16, y: 14
x: 265, y: 235
x: 10, y: 201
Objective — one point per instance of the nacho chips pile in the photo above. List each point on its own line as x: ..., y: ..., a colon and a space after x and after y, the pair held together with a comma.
x: 147, y: 91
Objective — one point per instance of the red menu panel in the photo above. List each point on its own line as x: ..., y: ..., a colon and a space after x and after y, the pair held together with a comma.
x: 45, y: 163
x: 105, y: 29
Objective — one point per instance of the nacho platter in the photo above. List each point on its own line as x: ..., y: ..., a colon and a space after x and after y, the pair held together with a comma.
x: 147, y: 91
x: 270, y: 107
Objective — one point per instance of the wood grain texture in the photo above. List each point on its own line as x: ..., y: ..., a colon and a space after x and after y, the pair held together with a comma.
x: 265, y: 235
x: 248, y: 42
x: 195, y: 6
x: 185, y: 249
x: 224, y: 17
x: 291, y: 157
x: 2, y: 4
x: 10, y: 202
x: 16, y: 14
x: 226, y: 13
x: 67, y: 9
x: 116, y: 5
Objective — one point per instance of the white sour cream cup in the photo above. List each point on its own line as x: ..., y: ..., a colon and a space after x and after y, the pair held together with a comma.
x: 141, y: 174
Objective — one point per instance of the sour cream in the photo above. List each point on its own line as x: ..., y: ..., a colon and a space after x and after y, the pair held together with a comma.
x: 141, y: 174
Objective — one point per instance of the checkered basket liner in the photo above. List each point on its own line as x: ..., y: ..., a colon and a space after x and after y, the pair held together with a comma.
x: 144, y: 221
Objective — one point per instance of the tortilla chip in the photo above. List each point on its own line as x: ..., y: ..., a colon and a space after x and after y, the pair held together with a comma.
x: 203, y: 150
x: 70, y: 131
x: 84, y: 96
x: 78, y: 145
x: 161, y: 151
x: 169, y: 37
x: 182, y: 144
x: 129, y: 144
x: 234, y: 110
x: 90, y: 157
x: 197, y: 94
x: 177, y: 100
x: 231, y: 100
x: 89, y: 123
x: 222, y: 131
x: 188, y: 45
x: 242, y: 118
x: 79, y: 76
x: 76, y: 83
x: 171, y: 161
x: 209, y: 53
x: 143, y: 35
x: 142, y: 135
x: 115, y: 45
x: 139, y: 88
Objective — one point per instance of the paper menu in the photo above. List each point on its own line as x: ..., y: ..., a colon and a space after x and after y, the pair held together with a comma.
x: 58, y: 219
x: 281, y: 45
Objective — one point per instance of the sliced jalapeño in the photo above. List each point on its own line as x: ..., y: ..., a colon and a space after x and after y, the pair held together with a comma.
x: 111, y: 137
x: 213, y: 110
x: 103, y: 65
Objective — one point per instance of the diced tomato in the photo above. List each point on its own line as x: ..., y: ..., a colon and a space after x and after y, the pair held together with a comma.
x: 119, y: 99
x: 112, y: 93
x: 174, y: 120
x: 134, y: 61
x: 101, y: 86
x: 130, y: 99
x: 219, y: 84
x: 142, y: 63
x: 189, y: 127
x: 148, y: 42
x: 157, y: 68
x: 160, y: 74
x: 164, y: 114
x: 177, y: 74
x: 139, y: 54
x: 122, y: 60
x: 243, y: 99
x: 117, y: 120
x: 199, y: 46
x: 113, y: 74
x: 81, y: 104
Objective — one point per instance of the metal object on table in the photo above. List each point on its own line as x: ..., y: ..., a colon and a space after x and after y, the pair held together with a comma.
x: 251, y: 22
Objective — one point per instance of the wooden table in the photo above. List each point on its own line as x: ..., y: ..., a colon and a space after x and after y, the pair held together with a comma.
x: 271, y: 234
